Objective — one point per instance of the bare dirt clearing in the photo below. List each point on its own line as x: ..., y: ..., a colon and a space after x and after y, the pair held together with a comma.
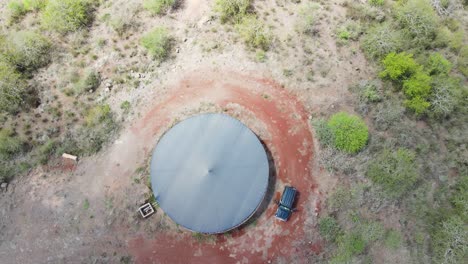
x: 278, y: 118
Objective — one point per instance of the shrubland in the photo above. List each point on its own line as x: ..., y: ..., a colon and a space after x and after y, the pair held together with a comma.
x: 415, y: 163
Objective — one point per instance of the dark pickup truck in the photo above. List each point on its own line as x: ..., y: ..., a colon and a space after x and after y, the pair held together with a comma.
x: 286, y: 203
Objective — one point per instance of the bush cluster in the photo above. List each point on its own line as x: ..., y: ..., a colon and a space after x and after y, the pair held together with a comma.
x: 381, y: 40
x: 66, y: 16
x: 419, y: 21
x: 232, y: 10
x: 25, y: 50
x: 19, y: 8
x: 394, y: 171
x: 12, y: 88
x: 253, y: 32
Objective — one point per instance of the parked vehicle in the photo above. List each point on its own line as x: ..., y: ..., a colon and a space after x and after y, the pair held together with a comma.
x: 285, y: 205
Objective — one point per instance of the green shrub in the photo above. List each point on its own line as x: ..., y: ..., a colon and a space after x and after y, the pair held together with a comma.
x: 340, y: 199
x: 394, y: 171
x: 459, y: 197
x: 350, y: 31
x: 12, y: 88
x: 16, y: 9
x: 450, y: 241
x: 260, y: 56
x: 371, y: 231
x: 34, y: 5
x: 381, y: 40
x: 437, y: 64
x: 45, y: 151
x: 232, y: 10
x: 125, y: 106
x: 418, y: 90
x: 7, y: 171
x: 376, y: 2
x: 158, y: 43
x: 418, y: 105
x: 418, y: 85
x: 369, y: 93
x: 253, y: 32
x: 462, y: 61
x: 96, y: 115
x: 399, y: 66
x: 307, y: 17
x: 349, y: 245
x: 393, y: 239
x: 26, y: 50
x: 446, y: 38
x: 350, y: 132
x: 329, y: 228
x: 100, y: 127
x: 418, y: 18
x: 446, y: 95
x: 10, y: 145
x: 91, y: 81
x: 66, y: 16
x: 158, y: 6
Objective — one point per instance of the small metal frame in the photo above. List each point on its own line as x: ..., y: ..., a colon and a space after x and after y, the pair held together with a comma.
x: 146, y: 210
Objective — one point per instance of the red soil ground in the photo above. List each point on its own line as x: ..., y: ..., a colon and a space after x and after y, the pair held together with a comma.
x: 263, y: 104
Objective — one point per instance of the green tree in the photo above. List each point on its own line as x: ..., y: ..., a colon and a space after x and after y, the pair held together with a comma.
x: 399, y: 66
x: 67, y: 15
x: 350, y: 132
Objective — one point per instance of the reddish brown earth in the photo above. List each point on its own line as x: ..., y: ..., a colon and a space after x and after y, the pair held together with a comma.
x: 86, y: 212
x: 286, y: 134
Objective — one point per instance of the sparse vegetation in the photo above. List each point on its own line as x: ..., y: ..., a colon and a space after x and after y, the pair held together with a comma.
x: 308, y: 16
